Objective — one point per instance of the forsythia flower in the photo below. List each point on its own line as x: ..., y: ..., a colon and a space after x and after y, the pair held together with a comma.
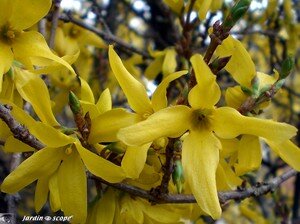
x: 60, y: 166
x: 164, y: 62
x: 24, y: 46
x: 116, y: 208
x: 248, y: 160
x: 135, y: 157
x: 205, y: 123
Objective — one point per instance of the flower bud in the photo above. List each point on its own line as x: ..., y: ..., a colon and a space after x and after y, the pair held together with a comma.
x: 286, y: 68
x: 177, y: 176
x: 74, y: 103
x: 238, y: 10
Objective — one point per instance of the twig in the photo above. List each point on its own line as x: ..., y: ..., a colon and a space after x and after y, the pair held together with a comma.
x: 108, y: 37
x: 296, y: 200
x: 163, y: 188
x: 22, y: 133
x: 188, y: 198
x: 14, y: 198
x: 19, y: 131
x: 54, y: 22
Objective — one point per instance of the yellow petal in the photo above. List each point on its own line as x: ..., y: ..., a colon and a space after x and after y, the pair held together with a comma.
x: 54, y: 196
x: 14, y: 145
x: 287, y: 151
x: 240, y: 65
x: 229, y: 123
x: 5, y: 14
x: 135, y: 92
x: 36, y: 93
x: 72, y: 185
x: 168, y: 122
x: 21, y: 116
x: 104, y: 103
x: 89, y: 38
x: 131, y: 211
x: 24, y: 49
x: 100, y: 167
x: 200, y: 158
x: 41, y: 193
x: 106, y: 207
x: 40, y: 164
x: 159, y: 98
x: 226, y: 178
x: 216, y: 5
x: 6, y: 58
x: 207, y: 92
x: 229, y: 147
x: 105, y: 126
x: 169, y: 65
x: 175, y: 5
x: 234, y: 97
x: 26, y: 13
x: 154, y: 68
x: 91, y: 108
x: 86, y: 93
x: 134, y: 160
x: 159, y: 213
x: 50, y: 136
x: 202, y: 6
x: 249, y: 155
x: 8, y: 88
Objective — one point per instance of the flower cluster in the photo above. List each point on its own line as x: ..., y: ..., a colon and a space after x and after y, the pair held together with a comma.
x: 204, y: 139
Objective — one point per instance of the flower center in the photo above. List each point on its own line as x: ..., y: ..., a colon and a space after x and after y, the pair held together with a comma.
x: 74, y: 32
x: 8, y: 34
x: 201, y: 119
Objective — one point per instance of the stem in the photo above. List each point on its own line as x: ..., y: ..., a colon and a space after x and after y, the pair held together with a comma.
x: 54, y: 23
x: 19, y: 131
x: 224, y: 196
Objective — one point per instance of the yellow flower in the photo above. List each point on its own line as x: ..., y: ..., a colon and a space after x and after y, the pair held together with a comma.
x: 242, y: 69
x: 135, y: 156
x: 164, y: 62
x: 200, y: 154
x: 118, y: 208
x: 24, y: 46
x: 63, y: 157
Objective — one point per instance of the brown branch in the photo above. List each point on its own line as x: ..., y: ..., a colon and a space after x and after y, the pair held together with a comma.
x: 54, y: 22
x: 19, y: 131
x: 188, y: 198
x: 108, y: 37
x: 163, y: 188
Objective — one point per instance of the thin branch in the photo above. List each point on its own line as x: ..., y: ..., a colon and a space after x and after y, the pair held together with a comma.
x: 188, y: 198
x: 19, y: 131
x: 108, y: 37
x: 54, y: 22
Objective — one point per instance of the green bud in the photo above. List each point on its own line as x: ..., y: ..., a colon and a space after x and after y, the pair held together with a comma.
x: 74, y: 103
x: 117, y: 147
x: 246, y: 90
x: 237, y: 11
x: 286, y: 68
x: 279, y: 84
x: 255, y: 86
x: 10, y: 73
x: 177, y: 176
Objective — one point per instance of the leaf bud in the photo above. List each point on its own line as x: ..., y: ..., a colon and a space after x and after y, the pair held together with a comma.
x: 286, y: 68
x: 177, y: 176
x: 74, y: 103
